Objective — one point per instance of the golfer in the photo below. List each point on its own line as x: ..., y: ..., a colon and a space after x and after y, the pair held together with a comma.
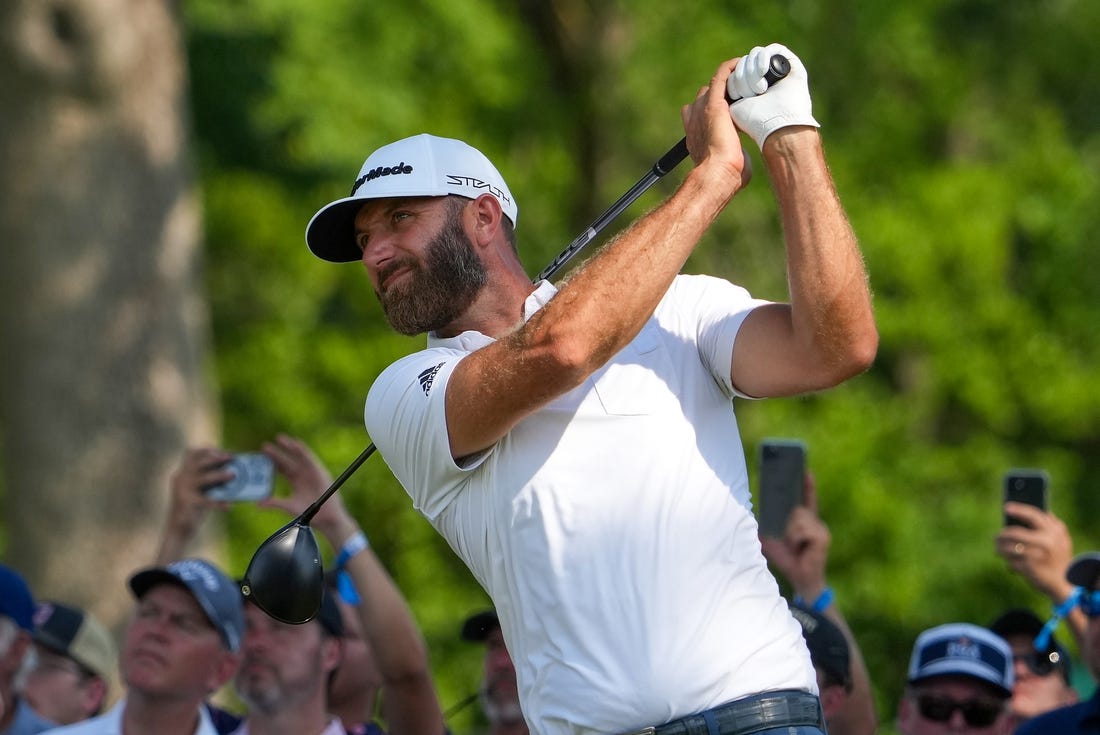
x: 577, y: 446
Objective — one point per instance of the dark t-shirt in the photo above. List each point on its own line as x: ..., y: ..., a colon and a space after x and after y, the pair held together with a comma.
x: 1082, y: 718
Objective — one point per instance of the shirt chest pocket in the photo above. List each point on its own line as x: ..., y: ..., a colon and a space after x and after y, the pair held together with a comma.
x: 638, y: 381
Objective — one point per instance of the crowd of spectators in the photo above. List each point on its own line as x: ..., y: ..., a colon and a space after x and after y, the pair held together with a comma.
x: 361, y: 665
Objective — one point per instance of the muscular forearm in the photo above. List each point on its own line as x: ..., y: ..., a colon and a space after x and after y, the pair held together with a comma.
x: 594, y: 315
x: 831, y: 312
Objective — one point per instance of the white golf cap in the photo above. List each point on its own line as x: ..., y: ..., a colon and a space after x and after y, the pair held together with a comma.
x: 423, y: 165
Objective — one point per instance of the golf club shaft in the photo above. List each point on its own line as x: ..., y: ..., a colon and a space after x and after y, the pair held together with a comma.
x: 308, y: 513
x: 778, y: 68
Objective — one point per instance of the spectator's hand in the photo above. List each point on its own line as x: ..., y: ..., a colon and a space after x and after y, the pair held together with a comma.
x: 187, y: 502
x: 800, y: 556
x: 308, y: 480
x: 188, y: 505
x: 1040, y: 552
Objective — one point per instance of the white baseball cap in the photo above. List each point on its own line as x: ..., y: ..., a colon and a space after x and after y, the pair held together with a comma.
x: 423, y: 165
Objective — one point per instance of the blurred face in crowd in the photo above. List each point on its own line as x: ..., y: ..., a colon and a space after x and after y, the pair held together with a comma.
x: 953, y: 704
x: 1040, y: 691
x: 833, y: 694
x: 283, y: 664
x: 358, y: 672
x: 172, y: 650
x: 499, y: 694
x: 61, y: 690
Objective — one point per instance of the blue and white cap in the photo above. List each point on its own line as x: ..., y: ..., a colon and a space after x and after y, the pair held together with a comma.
x: 217, y: 594
x: 963, y: 649
x: 423, y: 165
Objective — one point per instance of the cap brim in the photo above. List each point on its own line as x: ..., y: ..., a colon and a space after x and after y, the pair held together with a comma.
x: 330, y: 234
x: 1084, y: 571
x: 975, y: 671
x: 146, y: 580
x: 477, y: 627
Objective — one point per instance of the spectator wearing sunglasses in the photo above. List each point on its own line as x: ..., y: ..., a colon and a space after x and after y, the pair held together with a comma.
x: 960, y: 681
x: 1042, y: 667
x: 1083, y: 717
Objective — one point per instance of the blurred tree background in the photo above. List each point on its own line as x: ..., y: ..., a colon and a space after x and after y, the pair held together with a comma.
x: 963, y: 136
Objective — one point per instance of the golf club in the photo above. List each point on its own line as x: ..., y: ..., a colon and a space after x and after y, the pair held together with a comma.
x: 779, y: 66
x: 285, y: 578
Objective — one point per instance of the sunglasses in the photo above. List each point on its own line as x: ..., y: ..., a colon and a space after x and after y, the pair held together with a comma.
x: 1039, y: 663
x: 976, y: 712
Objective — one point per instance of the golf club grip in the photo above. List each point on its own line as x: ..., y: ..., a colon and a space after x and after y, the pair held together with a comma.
x: 779, y: 66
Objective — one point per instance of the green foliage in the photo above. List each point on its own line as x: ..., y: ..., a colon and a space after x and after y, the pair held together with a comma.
x: 964, y: 142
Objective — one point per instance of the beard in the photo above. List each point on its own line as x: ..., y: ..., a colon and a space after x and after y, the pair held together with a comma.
x: 500, y: 707
x: 440, y: 291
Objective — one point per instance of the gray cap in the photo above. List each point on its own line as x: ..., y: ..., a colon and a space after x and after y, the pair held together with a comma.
x: 217, y: 595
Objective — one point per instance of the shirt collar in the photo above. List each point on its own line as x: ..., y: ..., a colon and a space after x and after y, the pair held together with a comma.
x: 471, y: 340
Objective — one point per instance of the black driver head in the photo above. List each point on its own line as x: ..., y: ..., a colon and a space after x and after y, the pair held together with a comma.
x: 286, y: 578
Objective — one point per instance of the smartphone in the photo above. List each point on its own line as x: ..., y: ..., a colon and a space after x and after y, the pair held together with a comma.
x: 782, y: 477
x: 1026, y: 486
x: 254, y: 480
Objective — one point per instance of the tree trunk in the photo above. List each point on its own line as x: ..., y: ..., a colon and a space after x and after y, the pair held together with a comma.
x: 103, y: 330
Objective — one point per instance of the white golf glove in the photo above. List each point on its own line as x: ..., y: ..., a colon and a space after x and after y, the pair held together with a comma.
x: 786, y: 103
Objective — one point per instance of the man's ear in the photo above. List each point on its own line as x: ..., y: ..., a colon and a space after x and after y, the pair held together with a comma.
x: 332, y: 653
x: 486, y: 219
x: 93, y: 696
x: 12, y: 660
x: 223, y: 670
x: 832, y: 697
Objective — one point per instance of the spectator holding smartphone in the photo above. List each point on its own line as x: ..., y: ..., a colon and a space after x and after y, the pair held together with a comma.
x: 800, y: 556
x: 1039, y: 549
x: 1083, y: 717
x: 277, y: 658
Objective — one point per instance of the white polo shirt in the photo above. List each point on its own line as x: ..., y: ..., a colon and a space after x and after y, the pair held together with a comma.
x: 613, y: 528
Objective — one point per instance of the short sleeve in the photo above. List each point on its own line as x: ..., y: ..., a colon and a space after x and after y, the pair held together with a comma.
x: 405, y: 415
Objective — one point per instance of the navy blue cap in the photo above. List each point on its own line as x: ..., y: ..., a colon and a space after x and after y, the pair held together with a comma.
x: 963, y: 649
x: 217, y: 594
x: 15, y: 598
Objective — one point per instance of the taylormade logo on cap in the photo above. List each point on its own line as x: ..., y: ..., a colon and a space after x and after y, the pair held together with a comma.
x: 400, y: 168
x: 423, y: 165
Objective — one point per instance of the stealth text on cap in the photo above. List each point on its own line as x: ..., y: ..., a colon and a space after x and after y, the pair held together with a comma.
x: 374, y: 173
x: 475, y: 183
